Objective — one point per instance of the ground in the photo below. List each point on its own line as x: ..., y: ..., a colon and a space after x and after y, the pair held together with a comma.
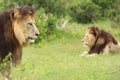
x: 60, y: 60
x: 57, y: 61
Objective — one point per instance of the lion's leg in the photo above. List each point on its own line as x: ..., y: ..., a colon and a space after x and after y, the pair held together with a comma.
x: 6, y: 72
x: 17, y: 55
x: 84, y: 53
x: 93, y: 54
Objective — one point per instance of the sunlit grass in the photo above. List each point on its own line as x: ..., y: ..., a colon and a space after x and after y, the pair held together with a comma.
x: 60, y: 60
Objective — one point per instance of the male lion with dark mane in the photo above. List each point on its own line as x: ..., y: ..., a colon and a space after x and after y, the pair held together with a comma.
x: 100, y: 41
x: 17, y: 29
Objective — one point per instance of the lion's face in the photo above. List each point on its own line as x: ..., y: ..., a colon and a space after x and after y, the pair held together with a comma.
x: 89, y: 39
x: 29, y: 29
x: 26, y: 30
x: 23, y: 24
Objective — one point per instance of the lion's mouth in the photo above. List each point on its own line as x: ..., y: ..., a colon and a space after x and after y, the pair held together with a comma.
x: 31, y: 39
x: 85, y: 44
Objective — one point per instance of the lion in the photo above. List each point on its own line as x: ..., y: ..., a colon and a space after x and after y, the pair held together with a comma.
x: 100, y: 41
x: 17, y: 29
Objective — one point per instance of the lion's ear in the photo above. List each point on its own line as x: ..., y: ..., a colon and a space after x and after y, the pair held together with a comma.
x: 94, y: 32
x: 15, y: 14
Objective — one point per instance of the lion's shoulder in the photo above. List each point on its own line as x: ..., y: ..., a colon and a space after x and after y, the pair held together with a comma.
x: 108, y: 37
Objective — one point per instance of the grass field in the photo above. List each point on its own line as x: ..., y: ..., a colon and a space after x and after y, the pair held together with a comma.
x: 60, y: 60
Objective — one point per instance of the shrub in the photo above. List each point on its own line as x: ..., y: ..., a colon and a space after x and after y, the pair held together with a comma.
x: 107, y: 6
x: 115, y: 21
x: 5, y: 63
x: 85, y: 12
x: 47, y: 26
x: 110, y: 9
x: 56, y: 7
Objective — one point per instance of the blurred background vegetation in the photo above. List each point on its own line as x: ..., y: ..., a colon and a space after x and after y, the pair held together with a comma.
x: 54, y: 15
x: 62, y: 24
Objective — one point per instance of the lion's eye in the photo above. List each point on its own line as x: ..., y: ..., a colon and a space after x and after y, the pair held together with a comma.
x: 87, y: 36
x: 30, y: 24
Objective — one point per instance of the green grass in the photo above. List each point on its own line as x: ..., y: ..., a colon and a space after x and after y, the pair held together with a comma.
x: 60, y: 60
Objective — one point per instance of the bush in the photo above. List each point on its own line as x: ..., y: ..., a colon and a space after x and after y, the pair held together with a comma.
x: 12, y: 3
x: 56, y: 7
x: 115, y: 21
x: 110, y: 9
x: 5, y: 63
x: 85, y: 12
x: 47, y: 26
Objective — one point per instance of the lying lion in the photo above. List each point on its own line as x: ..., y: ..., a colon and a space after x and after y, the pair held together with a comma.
x: 100, y: 41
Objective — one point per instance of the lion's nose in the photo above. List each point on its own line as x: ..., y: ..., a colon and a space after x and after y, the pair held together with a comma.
x: 82, y: 40
x: 37, y: 34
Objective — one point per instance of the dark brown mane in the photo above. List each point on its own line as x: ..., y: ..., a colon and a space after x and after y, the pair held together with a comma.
x: 108, y: 37
x: 6, y: 34
x: 25, y: 10
x: 8, y: 40
x: 9, y: 43
x: 101, y: 34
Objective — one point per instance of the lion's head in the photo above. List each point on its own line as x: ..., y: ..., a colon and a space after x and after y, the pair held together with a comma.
x: 90, y: 37
x: 24, y: 26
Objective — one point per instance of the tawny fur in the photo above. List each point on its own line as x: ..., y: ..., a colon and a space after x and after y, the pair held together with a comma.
x: 17, y: 28
x: 100, y: 41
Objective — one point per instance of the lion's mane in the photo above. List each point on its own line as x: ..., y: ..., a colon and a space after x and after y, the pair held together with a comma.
x: 9, y: 42
x: 103, y: 38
